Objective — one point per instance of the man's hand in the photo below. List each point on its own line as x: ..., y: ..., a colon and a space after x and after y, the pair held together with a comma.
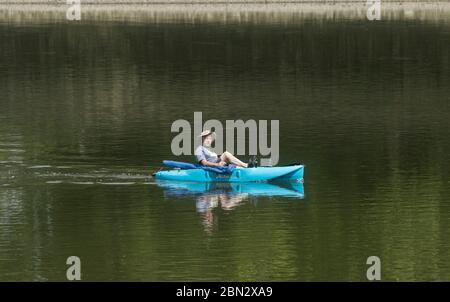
x: 221, y: 164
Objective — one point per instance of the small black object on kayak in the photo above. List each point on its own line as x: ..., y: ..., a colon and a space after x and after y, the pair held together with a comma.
x: 253, y: 162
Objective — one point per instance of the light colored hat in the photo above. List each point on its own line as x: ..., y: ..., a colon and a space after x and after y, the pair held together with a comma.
x: 207, y: 132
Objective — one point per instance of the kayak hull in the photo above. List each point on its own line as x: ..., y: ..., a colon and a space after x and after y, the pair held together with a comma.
x: 287, y: 173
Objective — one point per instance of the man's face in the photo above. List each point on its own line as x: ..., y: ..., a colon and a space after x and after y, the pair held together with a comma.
x: 207, y: 141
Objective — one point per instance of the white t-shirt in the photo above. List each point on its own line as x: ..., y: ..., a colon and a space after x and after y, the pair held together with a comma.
x: 204, y: 153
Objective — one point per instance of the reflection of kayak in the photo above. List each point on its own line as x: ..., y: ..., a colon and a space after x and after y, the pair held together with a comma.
x: 266, y: 189
x: 177, y: 189
x: 290, y: 173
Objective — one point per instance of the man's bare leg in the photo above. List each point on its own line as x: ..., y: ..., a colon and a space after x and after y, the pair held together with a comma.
x: 230, y: 158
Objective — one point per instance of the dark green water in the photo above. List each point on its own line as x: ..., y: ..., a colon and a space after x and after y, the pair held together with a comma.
x: 85, y: 116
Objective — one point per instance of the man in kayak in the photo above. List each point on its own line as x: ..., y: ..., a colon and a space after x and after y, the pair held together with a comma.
x: 208, y: 158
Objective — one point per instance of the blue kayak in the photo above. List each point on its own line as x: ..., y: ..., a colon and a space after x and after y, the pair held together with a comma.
x: 191, y: 172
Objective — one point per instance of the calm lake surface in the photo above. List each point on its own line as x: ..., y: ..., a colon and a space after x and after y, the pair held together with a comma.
x: 85, y: 116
